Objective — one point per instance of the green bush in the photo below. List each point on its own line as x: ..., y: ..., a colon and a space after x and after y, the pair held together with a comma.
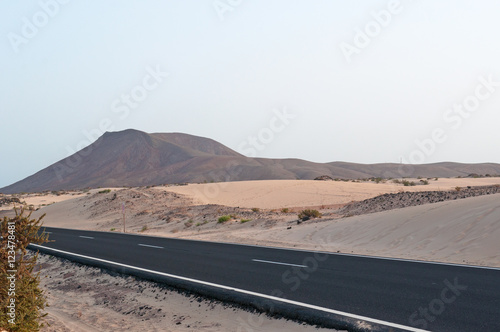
x: 105, y: 191
x: 407, y: 183
x: 245, y: 220
x: 224, y: 219
x: 309, y: 214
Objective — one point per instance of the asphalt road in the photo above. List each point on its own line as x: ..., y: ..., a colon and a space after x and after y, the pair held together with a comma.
x: 434, y: 297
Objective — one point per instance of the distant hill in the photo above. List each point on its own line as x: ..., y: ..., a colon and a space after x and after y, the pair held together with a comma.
x: 135, y: 158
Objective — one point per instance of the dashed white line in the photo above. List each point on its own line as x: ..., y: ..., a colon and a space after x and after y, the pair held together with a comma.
x: 278, y: 263
x: 150, y: 246
x: 86, y: 237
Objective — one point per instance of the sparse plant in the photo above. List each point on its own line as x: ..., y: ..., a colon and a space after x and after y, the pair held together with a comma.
x: 105, y: 191
x: 144, y: 228
x: 255, y: 209
x: 457, y: 188
x: 201, y: 223
x: 407, y: 183
x: 113, y: 229
x: 424, y: 182
x: 223, y: 219
x: 309, y: 214
x: 245, y: 220
x: 285, y: 210
x: 397, y: 181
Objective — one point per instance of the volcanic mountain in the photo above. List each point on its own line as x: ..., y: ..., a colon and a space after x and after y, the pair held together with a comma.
x: 135, y: 158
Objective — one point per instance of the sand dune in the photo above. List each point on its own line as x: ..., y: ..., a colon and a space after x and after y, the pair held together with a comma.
x: 463, y: 231
x: 276, y: 194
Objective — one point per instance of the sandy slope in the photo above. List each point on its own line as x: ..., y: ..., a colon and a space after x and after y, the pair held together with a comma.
x: 462, y: 231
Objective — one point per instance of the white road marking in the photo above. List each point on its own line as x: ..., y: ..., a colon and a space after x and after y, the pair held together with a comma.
x: 338, y: 254
x: 310, y: 306
x: 278, y: 263
x: 147, y: 245
x: 86, y: 237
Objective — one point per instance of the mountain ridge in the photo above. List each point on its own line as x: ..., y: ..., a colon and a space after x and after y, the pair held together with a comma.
x: 135, y: 158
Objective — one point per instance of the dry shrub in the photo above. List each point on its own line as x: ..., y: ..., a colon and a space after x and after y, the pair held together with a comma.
x: 17, y: 233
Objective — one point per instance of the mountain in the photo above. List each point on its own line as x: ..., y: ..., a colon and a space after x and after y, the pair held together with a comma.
x: 135, y: 158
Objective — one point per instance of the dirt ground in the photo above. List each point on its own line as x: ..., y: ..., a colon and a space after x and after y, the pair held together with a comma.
x: 86, y: 299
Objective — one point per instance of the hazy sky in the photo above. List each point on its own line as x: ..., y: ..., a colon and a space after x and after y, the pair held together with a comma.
x: 361, y: 81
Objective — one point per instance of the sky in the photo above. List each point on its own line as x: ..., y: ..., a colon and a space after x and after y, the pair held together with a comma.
x: 321, y: 80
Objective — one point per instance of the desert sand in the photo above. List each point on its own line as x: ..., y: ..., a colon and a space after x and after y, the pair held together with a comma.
x: 459, y: 231
x: 463, y: 231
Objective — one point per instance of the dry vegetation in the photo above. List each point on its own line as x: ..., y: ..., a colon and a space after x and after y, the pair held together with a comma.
x: 21, y: 298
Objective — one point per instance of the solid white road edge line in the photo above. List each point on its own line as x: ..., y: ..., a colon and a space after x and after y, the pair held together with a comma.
x: 150, y: 246
x: 279, y: 263
x: 86, y: 237
x: 310, y: 306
